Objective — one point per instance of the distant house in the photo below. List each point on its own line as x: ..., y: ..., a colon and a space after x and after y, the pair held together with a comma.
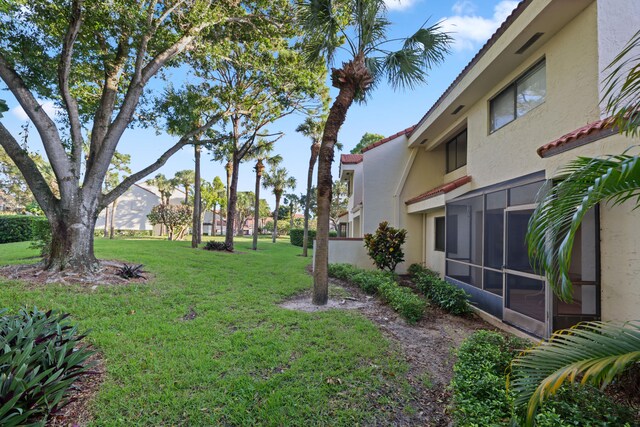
x: 134, y: 206
x: 463, y: 180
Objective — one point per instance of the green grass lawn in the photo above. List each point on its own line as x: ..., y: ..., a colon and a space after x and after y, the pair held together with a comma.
x: 242, y: 361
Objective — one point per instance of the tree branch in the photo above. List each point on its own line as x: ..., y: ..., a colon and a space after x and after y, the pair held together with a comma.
x: 64, y: 70
x: 44, y: 124
x: 32, y: 175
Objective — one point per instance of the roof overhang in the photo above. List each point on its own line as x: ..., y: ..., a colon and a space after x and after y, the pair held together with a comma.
x: 493, y: 63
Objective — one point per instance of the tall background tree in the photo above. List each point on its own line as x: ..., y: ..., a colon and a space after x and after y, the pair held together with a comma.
x: 593, y: 352
x: 279, y: 181
x: 360, y: 29
x: 366, y: 140
x: 119, y: 166
x: 292, y: 200
x: 186, y: 180
x: 95, y: 61
x: 213, y: 198
x: 262, y: 154
x: 339, y: 202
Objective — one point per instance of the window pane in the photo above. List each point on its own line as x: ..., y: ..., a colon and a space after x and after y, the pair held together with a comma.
x: 503, y: 108
x: 451, y: 156
x: 526, y: 296
x: 461, y: 150
x: 464, y: 230
x: 531, y: 90
x: 465, y: 273
x: 517, y: 256
x: 493, y: 282
x: 524, y: 194
x: 439, y: 226
x: 493, y: 238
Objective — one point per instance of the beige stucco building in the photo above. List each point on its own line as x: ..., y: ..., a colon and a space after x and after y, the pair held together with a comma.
x: 463, y: 181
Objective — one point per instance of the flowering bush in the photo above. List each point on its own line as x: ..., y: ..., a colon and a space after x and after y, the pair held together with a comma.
x: 385, y: 247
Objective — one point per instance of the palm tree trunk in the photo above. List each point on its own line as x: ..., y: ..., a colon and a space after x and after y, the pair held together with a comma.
x: 231, y: 206
x: 290, y: 216
x: 307, y: 202
x: 256, y: 205
x: 275, y: 218
x: 337, y: 115
x: 106, y: 222
x: 113, y: 214
x: 195, y: 233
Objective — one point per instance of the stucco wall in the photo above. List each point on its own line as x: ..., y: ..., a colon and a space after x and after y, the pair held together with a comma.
x: 349, y: 251
x: 433, y: 259
x: 132, y: 210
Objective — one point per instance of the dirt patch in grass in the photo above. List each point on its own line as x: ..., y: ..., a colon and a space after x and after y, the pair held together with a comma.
x: 428, y: 347
x: 77, y: 412
x: 105, y: 274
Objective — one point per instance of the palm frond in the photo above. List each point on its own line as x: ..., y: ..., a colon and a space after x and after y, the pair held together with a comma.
x: 320, y: 22
x: 582, y: 184
x: 622, y: 88
x: 431, y: 43
x: 404, y: 69
x: 594, y: 352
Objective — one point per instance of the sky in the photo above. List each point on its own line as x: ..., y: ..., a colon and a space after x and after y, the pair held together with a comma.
x: 469, y: 22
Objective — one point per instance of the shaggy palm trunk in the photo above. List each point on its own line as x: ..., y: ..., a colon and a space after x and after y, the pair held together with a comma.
x: 275, y: 216
x: 312, y: 163
x: 195, y: 233
x: 352, y: 76
x: 113, y: 220
x: 256, y: 205
x: 231, y: 204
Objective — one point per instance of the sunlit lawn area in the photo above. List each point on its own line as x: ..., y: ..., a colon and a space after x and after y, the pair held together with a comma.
x: 242, y: 361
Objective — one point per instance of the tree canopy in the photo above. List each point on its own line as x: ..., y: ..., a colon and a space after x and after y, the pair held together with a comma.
x: 366, y: 140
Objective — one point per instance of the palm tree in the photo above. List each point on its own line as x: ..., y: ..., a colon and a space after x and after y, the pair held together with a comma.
x: 186, y: 178
x: 594, y: 351
x: 261, y: 153
x: 278, y: 180
x: 311, y: 128
x: 360, y: 28
x: 293, y: 200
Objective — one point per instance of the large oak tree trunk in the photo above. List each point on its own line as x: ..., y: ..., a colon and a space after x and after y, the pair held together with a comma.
x: 256, y: 205
x: 312, y: 162
x: 231, y: 205
x: 195, y: 233
x: 352, y: 76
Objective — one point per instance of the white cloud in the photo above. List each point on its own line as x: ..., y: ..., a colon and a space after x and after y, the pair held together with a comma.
x: 48, y: 107
x: 470, y: 30
x: 399, y: 4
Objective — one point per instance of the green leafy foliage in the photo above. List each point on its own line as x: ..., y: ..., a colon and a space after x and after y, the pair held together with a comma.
x: 19, y: 228
x: 296, y: 235
x: 480, y: 397
x: 41, y: 235
x: 175, y: 217
x: 126, y: 233
x: 385, y: 246
x: 442, y: 293
x: 403, y: 300
x: 132, y: 271
x: 214, y: 245
x: 40, y: 358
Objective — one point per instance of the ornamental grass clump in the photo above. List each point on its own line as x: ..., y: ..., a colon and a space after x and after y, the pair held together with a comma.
x: 40, y: 359
x: 385, y: 246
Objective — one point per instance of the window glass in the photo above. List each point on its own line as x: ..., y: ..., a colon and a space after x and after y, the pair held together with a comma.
x: 531, y: 90
x: 451, y: 156
x: 503, y: 108
x: 439, y: 226
x: 524, y: 194
x: 461, y: 150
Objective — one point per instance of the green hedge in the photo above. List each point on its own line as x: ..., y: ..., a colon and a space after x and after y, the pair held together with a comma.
x: 19, y: 228
x: 442, y: 293
x: 480, y: 397
x: 99, y: 232
x: 403, y: 300
x: 296, y: 236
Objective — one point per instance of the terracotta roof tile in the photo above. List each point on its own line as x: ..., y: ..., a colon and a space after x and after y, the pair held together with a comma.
x: 567, y: 140
x: 387, y: 139
x: 441, y: 189
x: 350, y: 159
x: 503, y: 27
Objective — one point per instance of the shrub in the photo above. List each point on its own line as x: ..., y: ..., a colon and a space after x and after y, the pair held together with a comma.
x: 131, y: 271
x: 214, y: 245
x: 385, y: 246
x: 41, y: 231
x: 403, y: 300
x: 480, y: 397
x: 18, y: 228
x: 296, y: 235
x: 333, y: 233
x: 40, y: 358
x: 125, y: 233
x: 442, y: 293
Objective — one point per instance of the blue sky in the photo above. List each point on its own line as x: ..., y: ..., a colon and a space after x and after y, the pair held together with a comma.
x: 470, y: 22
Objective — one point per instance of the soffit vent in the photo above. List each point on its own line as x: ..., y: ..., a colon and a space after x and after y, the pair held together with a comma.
x: 534, y: 38
x: 457, y: 110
